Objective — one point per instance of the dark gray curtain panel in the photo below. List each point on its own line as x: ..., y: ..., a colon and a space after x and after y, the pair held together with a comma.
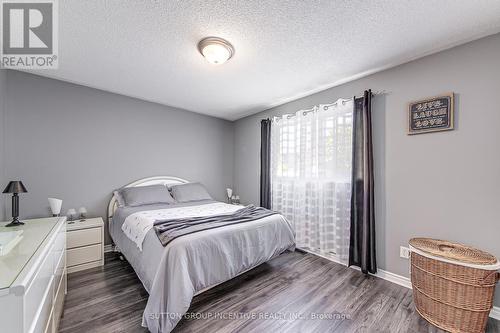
x: 265, y: 163
x: 362, y: 235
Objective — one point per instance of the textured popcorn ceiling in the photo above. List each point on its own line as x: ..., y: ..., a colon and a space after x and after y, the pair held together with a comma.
x: 284, y: 49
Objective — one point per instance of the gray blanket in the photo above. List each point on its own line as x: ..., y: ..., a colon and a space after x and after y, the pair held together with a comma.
x: 168, y: 230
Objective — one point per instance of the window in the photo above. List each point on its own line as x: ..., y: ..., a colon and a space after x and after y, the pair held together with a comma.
x: 311, y: 155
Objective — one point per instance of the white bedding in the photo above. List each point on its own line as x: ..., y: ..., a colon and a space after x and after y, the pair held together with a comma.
x: 137, y: 225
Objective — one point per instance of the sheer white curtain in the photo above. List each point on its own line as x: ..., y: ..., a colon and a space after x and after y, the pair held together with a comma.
x: 311, y: 155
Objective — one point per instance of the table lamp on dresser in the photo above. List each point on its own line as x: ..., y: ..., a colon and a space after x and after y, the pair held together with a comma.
x: 15, y: 187
x: 55, y: 206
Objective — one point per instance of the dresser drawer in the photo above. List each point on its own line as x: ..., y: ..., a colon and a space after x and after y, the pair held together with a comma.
x: 45, y: 310
x: 84, y: 237
x: 60, y: 242
x: 49, y: 328
x: 60, y: 271
x: 84, y: 254
x: 59, y: 301
x: 39, y: 292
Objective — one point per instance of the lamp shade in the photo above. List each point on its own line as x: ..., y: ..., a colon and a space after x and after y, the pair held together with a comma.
x: 15, y: 186
x: 55, y: 205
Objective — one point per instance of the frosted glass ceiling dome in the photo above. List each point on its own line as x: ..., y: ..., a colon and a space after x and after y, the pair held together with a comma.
x: 216, y: 50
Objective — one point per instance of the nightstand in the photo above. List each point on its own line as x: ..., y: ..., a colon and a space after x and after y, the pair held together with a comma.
x: 84, y: 244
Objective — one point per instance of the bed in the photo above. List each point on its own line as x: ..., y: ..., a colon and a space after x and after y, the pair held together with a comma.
x: 174, y: 273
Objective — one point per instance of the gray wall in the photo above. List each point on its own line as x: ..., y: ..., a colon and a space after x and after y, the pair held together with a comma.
x: 2, y: 135
x: 79, y: 144
x: 444, y: 185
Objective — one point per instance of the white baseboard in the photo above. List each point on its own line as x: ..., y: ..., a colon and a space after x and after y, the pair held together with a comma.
x: 403, y: 281
x: 394, y: 278
x: 108, y: 248
x: 495, y: 313
x: 330, y: 257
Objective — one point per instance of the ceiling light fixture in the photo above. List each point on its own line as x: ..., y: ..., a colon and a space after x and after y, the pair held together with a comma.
x: 216, y: 50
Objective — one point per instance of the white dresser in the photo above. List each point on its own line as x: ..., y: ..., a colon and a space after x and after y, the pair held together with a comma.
x: 33, y: 277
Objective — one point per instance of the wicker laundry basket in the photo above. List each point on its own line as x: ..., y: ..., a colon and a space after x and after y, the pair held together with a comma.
x: 453, y: 284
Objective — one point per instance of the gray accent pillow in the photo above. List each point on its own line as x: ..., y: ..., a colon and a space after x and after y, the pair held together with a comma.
x: 144, y: 195
x: 190, y: 192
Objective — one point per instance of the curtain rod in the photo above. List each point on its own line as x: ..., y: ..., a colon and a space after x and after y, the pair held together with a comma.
x: 343, y: 100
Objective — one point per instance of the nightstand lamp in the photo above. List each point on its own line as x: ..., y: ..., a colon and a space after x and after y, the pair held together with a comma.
x: 83, y: 213
x: 55, y: 206
x: 71, y: 214
x: 15, y: 187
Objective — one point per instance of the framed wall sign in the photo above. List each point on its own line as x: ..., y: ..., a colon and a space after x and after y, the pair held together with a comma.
x: 431, y: 115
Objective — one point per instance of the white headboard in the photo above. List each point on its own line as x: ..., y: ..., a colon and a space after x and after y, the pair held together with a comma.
x: 157, y: 180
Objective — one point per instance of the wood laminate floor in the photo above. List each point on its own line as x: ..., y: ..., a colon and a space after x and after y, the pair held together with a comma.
x: 282, y: 295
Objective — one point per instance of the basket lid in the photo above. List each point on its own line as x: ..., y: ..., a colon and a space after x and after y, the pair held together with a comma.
x: 453, y: 251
